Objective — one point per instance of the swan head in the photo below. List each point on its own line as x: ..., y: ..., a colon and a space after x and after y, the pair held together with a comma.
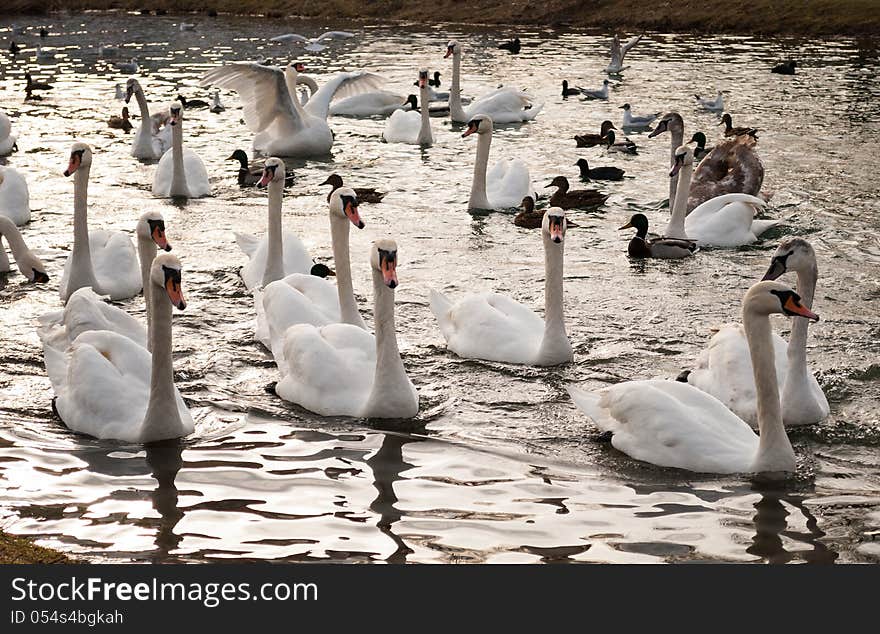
x: 699, y: 138
x: 166, y: 274
x: 554, y: 224
x: 639, y: 222
x: 769, y: 298
x: 383, y: 258
x: 344, y: 204
x: 481, y: 124
x: 423, y: 78
x: 175, y: 108
x: 671, y: 121
x: 32, y: 268
x: 80, y: 156
x: 131, y: 87
x: 452, y: 48
x: 683, y: 156
x: 151, y: 226
x: 296, y: 67
x: 792, y: 254
x: 273, y: 171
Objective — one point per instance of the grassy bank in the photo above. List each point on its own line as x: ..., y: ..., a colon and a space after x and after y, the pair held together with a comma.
x: 18, y: 550
x: 764, y: 17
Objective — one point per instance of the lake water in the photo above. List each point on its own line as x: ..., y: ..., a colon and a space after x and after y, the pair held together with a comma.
x: 500, y: 466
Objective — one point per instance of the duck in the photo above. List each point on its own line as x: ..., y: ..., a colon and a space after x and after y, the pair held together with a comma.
x: 380, y: 103
x: 28, y: 264
x: 281, y: 125
x: 784, y: 68
x: 619, y: 51
x: 635, y: 122
x: 574, y: 199
x: 247, y: 178
x: 342, y: 370
x: 591, y: 139
x: 102, y: 260
x: 311, y: 44
x: 661, y: 248
x: 150, y: 141
x: 528, y: 218
x: 411, y: 127
x: 513, y: 45
x: 569, y: 92
x: 44, y: 33
x: 504, y: 105
x: 14, y: 196
x: 364, y: 194
x: 8, y: 141
x: 597, y: 93
x: 725, y: 221
x: 729, y: 130
x: 724, y: 368
x: 675, y: 425
x: 278, y: 253
x: 599, y: 173
x: 130, y: 67
x: 192, y: 104
x: 712, y: 104
x: 109, y: 387
x: 494, y: 327
x: 181, y: 173
x: 32, y: 86
x: 700, y: 151
x: 731, y: 167
x: 506, y: 184
x: 304, y: 298
x: 433, y: 82
x: 120, y: 123
x: 216, y: 106
x: 624, y: 147
x: 14, y: 48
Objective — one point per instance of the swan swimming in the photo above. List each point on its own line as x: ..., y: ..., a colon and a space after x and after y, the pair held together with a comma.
x: 180, y: 173
x: 506, y: 184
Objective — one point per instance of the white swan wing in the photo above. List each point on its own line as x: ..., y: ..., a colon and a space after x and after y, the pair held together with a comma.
x: 713, y: 205
x: 506, y: 105
x: 367, y: 104
x: 403, y: 126
x: 340, y: 86
x: 729, y: 225
x: 507, y: 183
x: 297, y: 299
x: 14, y: 196
x: 196, y: 174
x: 295, y: 256
x: 115, y: 263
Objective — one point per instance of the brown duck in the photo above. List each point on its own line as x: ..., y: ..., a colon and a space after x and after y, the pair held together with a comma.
x: 592, y: 140
x: 729, y: 130
x: 120, y: 123
x: 574, y: 199
x: 528, y: 218
x: 364, y: 194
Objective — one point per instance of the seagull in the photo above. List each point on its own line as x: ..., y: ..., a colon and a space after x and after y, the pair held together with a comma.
x: 217, y: 106
x: 128, y: 67
x: 120, y: 93
x: 313, y: 44
x: 715, y: 104
x: 599, y: 93
x: 632, y: 121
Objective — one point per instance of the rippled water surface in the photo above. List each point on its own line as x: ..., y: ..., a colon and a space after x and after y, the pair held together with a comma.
x: 500, y: 466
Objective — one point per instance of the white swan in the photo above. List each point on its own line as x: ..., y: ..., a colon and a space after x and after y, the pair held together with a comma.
x: 723, y: 221
x: 278, y: 253
x: 103, y: 260
x: 180, y: 173
x: 506, y: 184
x: 412, y: 127
x: 497, y: 328
x: 85, y: 310
x: 7, y: 139
x: 312, y: 44
x: 342, y: 370
x: 724, y: 369
x: 14, y: 196
x: 149, y: 143
x: 28, y: 264
x: 380, y: 103
x: 714, y: 104
x: 301, y: 298
x: 672, y: 424
x: 281, y: 125
x: 109, y: 387
x: 631, y: 121
x: 505, y: 105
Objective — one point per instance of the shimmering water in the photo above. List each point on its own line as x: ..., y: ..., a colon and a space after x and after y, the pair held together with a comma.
x: 500, y: 466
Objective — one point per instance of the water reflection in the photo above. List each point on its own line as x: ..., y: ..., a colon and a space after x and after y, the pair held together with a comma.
x: 165, y: 460
x: 387, y: 464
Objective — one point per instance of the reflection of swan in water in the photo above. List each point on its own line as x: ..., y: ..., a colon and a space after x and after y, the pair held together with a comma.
x: 387, y: 464
x: 164, y: 460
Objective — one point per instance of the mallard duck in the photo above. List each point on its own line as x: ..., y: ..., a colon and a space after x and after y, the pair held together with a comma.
x: 576, y: 198
x: 590, y: 139
x: 701, y: 150
x: 626, y: 146
x: 32, y: 85
x: 661, y: 248
x: 364, y: 194
x: 528, y: 218
x: 599, y: 173
x: 190, y: 104
x: 120, y: 123
x: 729, y: 130
x: 784, y: 68
x: 247, y: 178
x: 433, y: 83
x: 513, y: 45
x: 569, y: 92
x: 321, y: 270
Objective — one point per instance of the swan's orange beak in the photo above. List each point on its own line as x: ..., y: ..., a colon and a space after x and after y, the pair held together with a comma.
x: 351, y: 212
x: 268, y: 175
x: 472, y: 127
x: 73, y: 165
x: 388, y: 266
x: 158, y: 235
x: 556, y: 228
x: 299, y: 67
x: 794, y: 307
x: 174, y: 288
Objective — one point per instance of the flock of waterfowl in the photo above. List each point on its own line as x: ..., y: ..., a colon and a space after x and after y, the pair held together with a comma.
x: 113, y: 376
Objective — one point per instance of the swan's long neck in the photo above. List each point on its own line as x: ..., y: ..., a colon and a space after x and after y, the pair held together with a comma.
x: 81, y: 271
x: 479, y: 199
x: 16, y: 243
x: 348, y: 308
x: 675, y: 228
x: 455, y: 111
x: 146, y: 254
x: 676, y: 131
x: 291, y: 79
x: 162, y: 419
x: 425, y: 136
x: 555, y: 346
x: 274, y: 239
x: 178, y: 177
x: 146, y: 123
x: 797, y: 342
x: 774, y: 449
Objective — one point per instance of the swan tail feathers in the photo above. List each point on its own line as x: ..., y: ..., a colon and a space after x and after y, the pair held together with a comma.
x: 760, y: 226
x: 590, y: 404
x: 247, y: 243
x: 440, y: 305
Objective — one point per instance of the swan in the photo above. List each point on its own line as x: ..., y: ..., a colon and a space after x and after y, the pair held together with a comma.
x: 724, y: 369
x: 281, y: 125
x: 505, y: 105
x: 673, y: 123
x: 109, y: 387
x: 715, y: 104
x: 506, y: 184
x: 148, y: 143
x: 86, y: 310
x: 619, y: 51
x: 597, y: 93
x: 28, y: 264
x: 180, y: 173
x: 278, y: 253
x: 7, y: 139
x: 497, y: 328
x: 342, y: 370
x: 14, y: 196
x: 372, y: 104
x: 724, y: 221
x: 633, y: 121
x: 731, y: 167
x: 672, y: 424
x: 412, y: 127
x: 103, y: 260
x: 306, y: 299
x: 311, y: 44
x: 130, y: 67
x: 661, y: 248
